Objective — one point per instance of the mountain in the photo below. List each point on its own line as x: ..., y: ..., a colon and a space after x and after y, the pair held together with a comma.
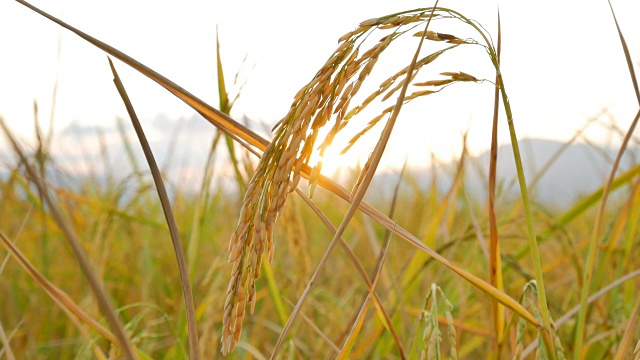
x: 572, y: 171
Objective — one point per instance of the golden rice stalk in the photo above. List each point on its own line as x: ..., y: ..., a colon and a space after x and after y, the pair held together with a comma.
x: 277, y: 171
x: 323, y: 100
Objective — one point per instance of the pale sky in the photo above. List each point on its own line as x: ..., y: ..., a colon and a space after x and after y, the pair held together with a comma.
x: 562, y: 63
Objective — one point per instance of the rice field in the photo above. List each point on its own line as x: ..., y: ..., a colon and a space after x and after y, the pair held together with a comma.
x: 295, y: 264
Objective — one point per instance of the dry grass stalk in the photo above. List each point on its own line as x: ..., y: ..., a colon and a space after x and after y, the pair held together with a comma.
x: 325, y: 99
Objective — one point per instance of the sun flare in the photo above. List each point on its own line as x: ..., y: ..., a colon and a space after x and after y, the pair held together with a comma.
x: 333, y: 162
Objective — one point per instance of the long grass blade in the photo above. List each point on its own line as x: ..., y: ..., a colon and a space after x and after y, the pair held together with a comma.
x: 495, y: 265
x: 225, y: 107
x: 593, y: 244
x: 105, y: 304
x: 590, y: 262
x: 194, y: 351
x: 627, y: 55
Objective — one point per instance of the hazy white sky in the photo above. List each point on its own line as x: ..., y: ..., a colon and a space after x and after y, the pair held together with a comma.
x: 562, y: 63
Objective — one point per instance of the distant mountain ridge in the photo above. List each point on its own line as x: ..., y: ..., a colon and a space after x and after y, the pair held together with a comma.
x: 577, y: 170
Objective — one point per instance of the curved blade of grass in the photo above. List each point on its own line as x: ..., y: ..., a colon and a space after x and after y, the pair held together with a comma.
x: 97, y: 287
x: 225, y: 107
x: 252, y: 141
x: 495, y: 265
x: 627, y: 56
x: 593, y: 244
x: 194, y: 351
